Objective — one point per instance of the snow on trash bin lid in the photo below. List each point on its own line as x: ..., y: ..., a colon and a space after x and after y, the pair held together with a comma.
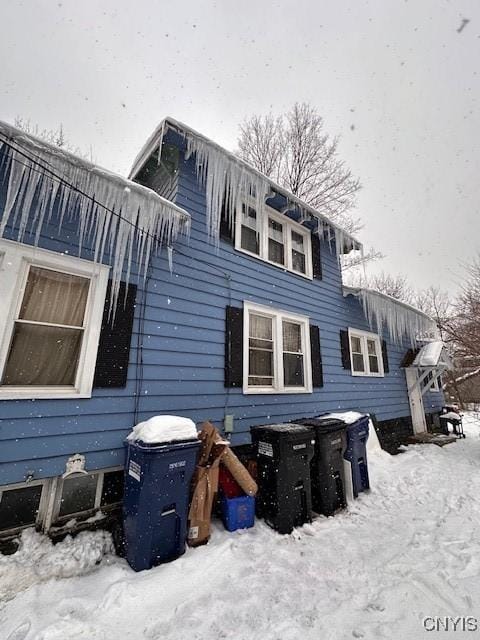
x: 348, y: 417
x: 451, y: 415
x: 159, y: 429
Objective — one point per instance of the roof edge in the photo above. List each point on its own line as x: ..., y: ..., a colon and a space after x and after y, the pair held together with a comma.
x: 34, y: 143
x: 154, y: 141
x: 348, y: 290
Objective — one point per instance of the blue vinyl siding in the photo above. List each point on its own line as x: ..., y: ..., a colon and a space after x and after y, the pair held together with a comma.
x: 183, y: 354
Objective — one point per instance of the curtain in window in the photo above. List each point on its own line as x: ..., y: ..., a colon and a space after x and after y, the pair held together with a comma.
x: 53, y: 297
x: 47, y: 354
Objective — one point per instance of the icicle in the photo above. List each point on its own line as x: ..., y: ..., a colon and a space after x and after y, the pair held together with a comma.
x: 122, y: 219
x: 225, y: 175
x: 400, y: 319
x: 222, y: 177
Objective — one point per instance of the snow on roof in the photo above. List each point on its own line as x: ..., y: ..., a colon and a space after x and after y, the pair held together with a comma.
x: 431, y: 355
x: 222, y: 172
x: 120, y: 216
x: 401, y: 319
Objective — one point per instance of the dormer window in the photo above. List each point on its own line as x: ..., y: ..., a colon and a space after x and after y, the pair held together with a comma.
x: 274, y: 238
x: 276, y: 242
x: 249, y: 240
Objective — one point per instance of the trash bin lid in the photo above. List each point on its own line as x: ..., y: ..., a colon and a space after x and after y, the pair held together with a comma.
x: 163, y: 446
x: 287, y: 428
x: 323, y: 425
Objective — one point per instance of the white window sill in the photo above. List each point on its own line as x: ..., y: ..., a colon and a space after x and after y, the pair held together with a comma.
x: 273, y: 392
x: 282, y: 267
x: 358, y: 374
x: 42, y: 394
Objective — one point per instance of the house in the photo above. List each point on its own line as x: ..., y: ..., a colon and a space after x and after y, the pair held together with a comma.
x: 196, y: 287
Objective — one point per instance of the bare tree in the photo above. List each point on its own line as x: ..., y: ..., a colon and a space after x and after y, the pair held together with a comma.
x: 261, y: 143
x: 295, y: 151
x: 52, y: 136
x: 464, y: 326
x: 396, y: 287
x: 438, y: 305
x: 460, y: 325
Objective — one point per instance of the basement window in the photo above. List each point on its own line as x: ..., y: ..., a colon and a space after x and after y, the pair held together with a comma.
x: 20, y: 505
x: 83, y: 493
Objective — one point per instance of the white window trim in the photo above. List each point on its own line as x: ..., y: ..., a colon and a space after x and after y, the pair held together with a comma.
x: 364, y: 335
x: 100, y: 474
x: 288, y: 226
x: 17, y: 258
x: 278, y: 316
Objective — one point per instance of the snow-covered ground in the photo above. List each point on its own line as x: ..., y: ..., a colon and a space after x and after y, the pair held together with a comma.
x: 408, y: 550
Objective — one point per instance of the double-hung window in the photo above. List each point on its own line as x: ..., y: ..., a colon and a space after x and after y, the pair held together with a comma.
x: 365, y: 353
x: 51, y: 318
x: 274, y: 238
x: 276, y: 351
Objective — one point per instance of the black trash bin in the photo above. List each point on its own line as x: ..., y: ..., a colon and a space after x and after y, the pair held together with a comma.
x: 284, y: 452
x: 327, y: 466
x: 155, y: 505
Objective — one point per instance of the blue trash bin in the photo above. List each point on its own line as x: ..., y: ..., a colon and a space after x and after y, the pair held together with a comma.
x: 355, y: 455
x: 155, y: 505
x: 238, y: 512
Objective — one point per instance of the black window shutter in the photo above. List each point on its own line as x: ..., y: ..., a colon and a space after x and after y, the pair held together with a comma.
x: 316, y: 257
x: 345, y: 348
x: 386, y: 368
x: 233, y: 347
x: 317, y: 367
x: 115, y: 337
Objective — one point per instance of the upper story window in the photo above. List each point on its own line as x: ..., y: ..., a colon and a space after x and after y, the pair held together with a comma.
x: 275, y: 239
x: 276, y: 351
x: 365, y: 353
x: 51, y: 320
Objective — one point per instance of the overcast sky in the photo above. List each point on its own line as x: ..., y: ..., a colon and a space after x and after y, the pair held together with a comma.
x: 398, y: 80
